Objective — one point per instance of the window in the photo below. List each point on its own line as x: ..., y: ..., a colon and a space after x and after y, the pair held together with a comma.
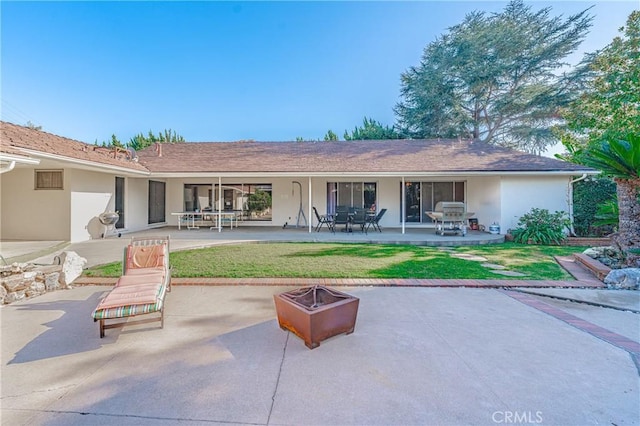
x: 249, y: 201
x: 423, y: 196
x: 49, y: 179
x: 350, y: 194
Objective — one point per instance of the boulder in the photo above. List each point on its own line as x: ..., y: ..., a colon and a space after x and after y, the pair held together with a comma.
x: 623, y: 279
x: 72, y: 267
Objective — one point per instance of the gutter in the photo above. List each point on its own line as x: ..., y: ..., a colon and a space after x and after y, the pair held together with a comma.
x: 85, y: 163
x: 8, y: 168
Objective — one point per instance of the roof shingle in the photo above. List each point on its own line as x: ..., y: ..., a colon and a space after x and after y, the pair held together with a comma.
x: 14, y: 138
x: 386, y: 156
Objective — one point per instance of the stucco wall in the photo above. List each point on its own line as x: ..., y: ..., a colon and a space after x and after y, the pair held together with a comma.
x: 28, y: 214
x: 136, y: 204
x: 520, y: 194
x: 483, y: 198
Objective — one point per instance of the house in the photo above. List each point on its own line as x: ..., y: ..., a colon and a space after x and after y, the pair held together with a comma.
x: 54, y: 188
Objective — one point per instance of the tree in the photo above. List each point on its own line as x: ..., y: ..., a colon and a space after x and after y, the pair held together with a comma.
x: 371, y: 130
x: 620, y: 159
x: 33, y: 126
x: 492, y: 78
x: 330, y: 136
x: 141, y: 141
x: 113, y: 143
x: 609, y: 104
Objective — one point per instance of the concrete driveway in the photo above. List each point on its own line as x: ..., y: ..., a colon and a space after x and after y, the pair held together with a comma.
x: 418, y: 356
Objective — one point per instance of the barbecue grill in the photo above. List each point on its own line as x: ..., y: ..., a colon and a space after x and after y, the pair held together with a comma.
x: 108, y: 219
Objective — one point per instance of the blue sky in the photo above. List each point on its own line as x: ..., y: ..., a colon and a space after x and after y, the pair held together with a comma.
x: 223, y: 71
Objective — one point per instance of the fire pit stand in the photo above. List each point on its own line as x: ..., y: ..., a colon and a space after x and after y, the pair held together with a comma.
x: 316, y: 313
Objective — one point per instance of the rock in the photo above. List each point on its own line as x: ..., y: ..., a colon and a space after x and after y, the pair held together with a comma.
x: 52, y: 281
x: 36, y: 289
x: 3, y: 295
x: 623, y: 279
x: 14, y: 296
x: 593, y: 252
x: 607, y: 255
x: 15, y: 283
x: 72, y: 267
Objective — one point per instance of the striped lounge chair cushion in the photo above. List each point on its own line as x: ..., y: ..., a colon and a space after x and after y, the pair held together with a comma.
x: 131, y: 299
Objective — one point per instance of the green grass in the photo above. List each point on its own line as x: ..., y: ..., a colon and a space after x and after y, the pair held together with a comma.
x: 318, y: 260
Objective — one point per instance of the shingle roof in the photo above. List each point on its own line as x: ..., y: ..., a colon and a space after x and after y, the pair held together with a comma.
x: 366, y: 157
x: 387, y: 156
x: 14, y: 137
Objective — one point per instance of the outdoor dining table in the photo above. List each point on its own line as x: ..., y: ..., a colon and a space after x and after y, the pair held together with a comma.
x: 191, y: 218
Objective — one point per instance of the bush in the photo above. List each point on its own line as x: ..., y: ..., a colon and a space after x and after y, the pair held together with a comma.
x: 259, y: 201
x: 541, y: 227
x: 588, y: 194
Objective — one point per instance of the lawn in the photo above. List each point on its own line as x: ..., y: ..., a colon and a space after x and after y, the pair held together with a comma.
x: 335, y: 260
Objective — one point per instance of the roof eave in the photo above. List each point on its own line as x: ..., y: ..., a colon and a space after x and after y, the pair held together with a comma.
x: 86, y: 164
x: 362, y: 173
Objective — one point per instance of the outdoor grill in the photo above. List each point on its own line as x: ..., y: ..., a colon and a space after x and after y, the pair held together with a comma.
x: 108, y: 219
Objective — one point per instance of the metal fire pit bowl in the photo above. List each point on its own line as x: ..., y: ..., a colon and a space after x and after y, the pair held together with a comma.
x: 316, y: 313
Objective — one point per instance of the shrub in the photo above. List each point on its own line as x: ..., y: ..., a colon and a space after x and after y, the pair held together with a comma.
x: 607, y: 214
x: 588, y: 194
x: 541, y: 227
x: 259, y: 201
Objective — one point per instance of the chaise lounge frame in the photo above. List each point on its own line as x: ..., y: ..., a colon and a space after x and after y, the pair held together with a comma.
x: 140, y: 274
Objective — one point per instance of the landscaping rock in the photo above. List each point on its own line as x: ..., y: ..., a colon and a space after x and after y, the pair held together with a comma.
x: 72, y: 267
x: 508, y: 273
x: 623, y: 279
x: 493, y: 266
x: 466, y: 256
x: 607, y: 255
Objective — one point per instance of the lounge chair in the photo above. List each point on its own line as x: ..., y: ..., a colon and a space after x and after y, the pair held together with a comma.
x: 142, y: 287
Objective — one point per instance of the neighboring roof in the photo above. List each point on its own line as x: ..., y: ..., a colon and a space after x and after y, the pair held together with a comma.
x: 29, y: 142
x: 384, y: 157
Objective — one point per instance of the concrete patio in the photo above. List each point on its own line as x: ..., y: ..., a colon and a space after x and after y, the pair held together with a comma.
x: 418, y: 356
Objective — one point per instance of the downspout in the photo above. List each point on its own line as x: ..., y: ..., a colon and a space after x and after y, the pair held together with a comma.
x: 10, y: 167
x: 310, y: 206
x: 402, y: 207
x: 220, y: 209
x: 584, y: 175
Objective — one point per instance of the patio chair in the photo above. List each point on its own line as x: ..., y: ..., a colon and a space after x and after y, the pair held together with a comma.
x: 360, y: 218
x: 323, y: 220
x: 342, y: 218
x: 375, y: 221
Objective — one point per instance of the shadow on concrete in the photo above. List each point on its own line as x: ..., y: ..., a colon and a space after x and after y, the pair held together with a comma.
x: 66, y: 335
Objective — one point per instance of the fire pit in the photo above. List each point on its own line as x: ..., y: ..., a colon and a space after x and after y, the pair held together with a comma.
x: 316, y: 313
